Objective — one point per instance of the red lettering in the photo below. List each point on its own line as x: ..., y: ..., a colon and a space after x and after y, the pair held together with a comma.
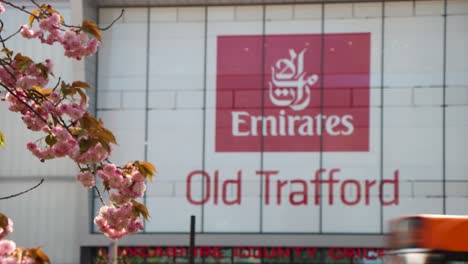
x: 171, y: 252
x: 365, y: 254
x: 267, y: 175
x: 395, y: 190
x: 239, y: 252
x: 188, y: 193
x: 297, y: 251
x: 284, y: 252
x: 255, y: 252
x: 205, y: 252
x: 217, y: 252
x: 216, y: 187
x: 343, y: 192
x: 238, y: 185
x: 102, y: 252
x: 279, y: 186
x: 368, y: 185
x: 158, y: 252
x: 269, y: 253
x: 301, y: 194
x: 331, y: 181
x: 316, y: 182
x: 380, y: 252
x: 144, y: 252
x: 311, y: 252
x: 333, y: 254
x: 129, y: 251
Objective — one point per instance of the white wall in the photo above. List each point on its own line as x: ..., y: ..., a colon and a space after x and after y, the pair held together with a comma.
x: 412, y: 114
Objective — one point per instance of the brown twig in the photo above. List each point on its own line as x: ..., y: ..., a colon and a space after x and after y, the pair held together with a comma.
x: 99, y: 195
x: 20, y: 9
x: 115, y: 20
x: 23, y: 192
x: 25, y: 104
x: 12, y: 35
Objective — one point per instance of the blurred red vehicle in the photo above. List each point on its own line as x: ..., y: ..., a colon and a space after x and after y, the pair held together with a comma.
x: 428, y: 239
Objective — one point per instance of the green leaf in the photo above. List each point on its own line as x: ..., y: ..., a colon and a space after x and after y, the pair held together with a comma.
x: 45, y: 92
x: 106, y: 185
x: 80, y: 84
x: 7, y: 51
x: 85, y: 144
x: 97, y: 131
x: 50, y: 140
x: 39, y: 256
x: 140, y: 209
x: 3, y: 221
x: 22, y: 62
x: 146, y: 168
x: 91, y: 28
x: 33, y: 16
x: 44, y: 70
x: 2, y: 140
x: 83, y: 95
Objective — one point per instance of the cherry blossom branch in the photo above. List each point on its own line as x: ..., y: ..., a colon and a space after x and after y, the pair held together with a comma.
x: 58, y: 83
x: 25, y: 104
x: 115, y: 20
x: 4, y: 63
x: 82, y: 138
x: 12, y: 35
x: 99, y: 195
x: 20, y: 9
x: 46, y: 13
x: 23, y: 192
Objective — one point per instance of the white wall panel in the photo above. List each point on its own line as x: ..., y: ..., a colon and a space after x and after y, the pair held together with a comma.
x: 128, y: 127
x: 122, y: 69
x: 219, y: 218
x: 413, y: 129
x: 457, y: 109
x: 176, y: 120
x: 295, y: 165
x: 356, y: 166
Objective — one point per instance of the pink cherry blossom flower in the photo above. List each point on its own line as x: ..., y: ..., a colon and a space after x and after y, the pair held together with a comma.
x: 7, y: 247
x: 135, y: 225
x: 9, y: 260
x: 9, y: 229
x: 86, y: 179
x: 138, y: 189
x: 137, y: 176
x: 28, y: 33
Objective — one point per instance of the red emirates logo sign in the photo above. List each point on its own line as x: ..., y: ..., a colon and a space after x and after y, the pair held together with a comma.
x: 272, y: 95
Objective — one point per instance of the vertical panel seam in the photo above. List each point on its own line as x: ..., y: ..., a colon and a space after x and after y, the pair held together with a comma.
x: 263, y: 113
x: 444, y: 113
x: 202, y: 222
x: 382, y: 82
x: 322, y: 69
x: 148, y: 37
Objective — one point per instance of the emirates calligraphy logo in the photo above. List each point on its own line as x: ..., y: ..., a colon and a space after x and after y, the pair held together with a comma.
x: 288, y: 98
x: 290, y: 85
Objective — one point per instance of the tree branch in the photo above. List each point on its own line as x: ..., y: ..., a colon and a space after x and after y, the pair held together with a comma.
x: 20, y: 9
x: 23, y: 192
x: 12, y: 35
x: 25, y: 104
x: 99, y: 195
x: 115, y: 20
